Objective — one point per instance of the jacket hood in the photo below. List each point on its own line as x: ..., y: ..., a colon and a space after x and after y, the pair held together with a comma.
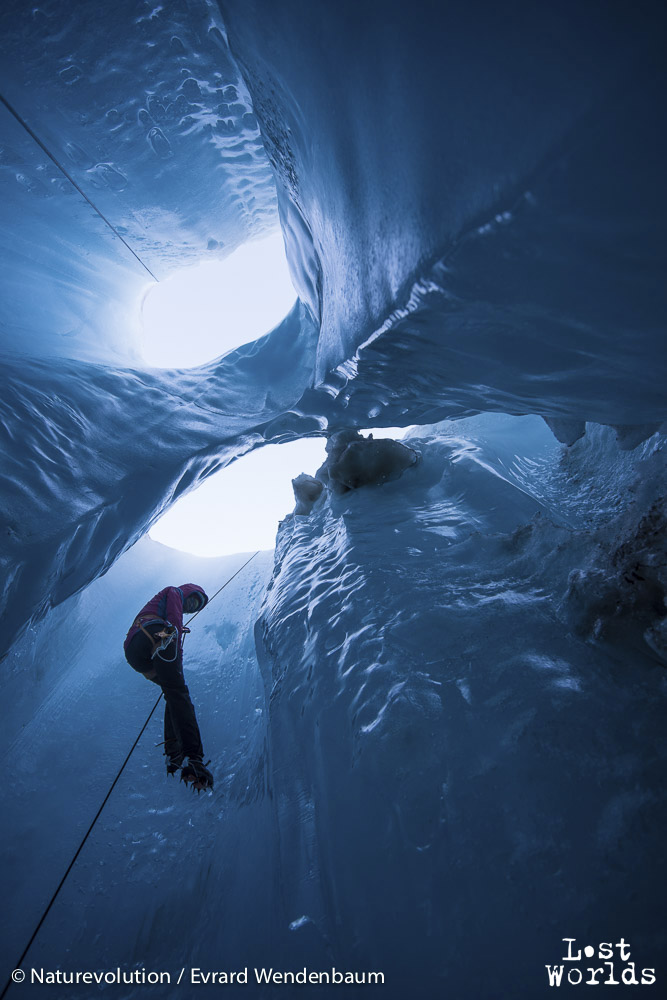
x: 193, y: 588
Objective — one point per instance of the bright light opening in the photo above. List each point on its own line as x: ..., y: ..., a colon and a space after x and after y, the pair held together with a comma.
x: 396, y: 433
x: 202, y: 312
x: 238, y: 509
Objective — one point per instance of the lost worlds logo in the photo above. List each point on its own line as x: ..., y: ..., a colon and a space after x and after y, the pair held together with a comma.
x: 604, y: 965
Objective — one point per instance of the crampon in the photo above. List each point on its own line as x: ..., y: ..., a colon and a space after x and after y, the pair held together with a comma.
x: 197, y: 775
x: 174, y: 764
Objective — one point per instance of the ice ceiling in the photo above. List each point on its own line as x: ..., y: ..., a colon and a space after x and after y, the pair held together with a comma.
x: 471, y: 202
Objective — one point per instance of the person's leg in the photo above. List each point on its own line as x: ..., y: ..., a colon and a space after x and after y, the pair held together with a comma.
x: 181, y: 730
x: 172, y: 744
x: 138, y: 654
x: 179, y: 708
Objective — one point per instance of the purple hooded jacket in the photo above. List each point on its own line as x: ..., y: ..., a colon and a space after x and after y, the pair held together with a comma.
x: 165, y: 606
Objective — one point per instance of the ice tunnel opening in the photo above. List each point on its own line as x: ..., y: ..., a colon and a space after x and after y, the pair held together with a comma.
x: 238, y: 508
x: 201, y: 312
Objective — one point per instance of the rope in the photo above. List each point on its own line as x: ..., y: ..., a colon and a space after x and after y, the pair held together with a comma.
x: 106, y: 798
x: 74, y: 184
x: 79, y: 849
x: 211, y: 599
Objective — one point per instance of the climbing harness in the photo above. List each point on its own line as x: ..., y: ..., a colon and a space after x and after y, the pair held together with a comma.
x: 161, y: 640
x: 168, y: 638
x: 188, y: 778
x: 168, y: 634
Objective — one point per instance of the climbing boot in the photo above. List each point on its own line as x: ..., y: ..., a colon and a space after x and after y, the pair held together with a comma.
x: 196, y: 774
x: 174, y: 763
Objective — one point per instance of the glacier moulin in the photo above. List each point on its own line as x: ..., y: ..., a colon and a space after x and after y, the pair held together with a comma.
x: 435, y: 713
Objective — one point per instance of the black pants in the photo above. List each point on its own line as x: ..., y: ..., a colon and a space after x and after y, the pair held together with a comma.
x: 181, y: 732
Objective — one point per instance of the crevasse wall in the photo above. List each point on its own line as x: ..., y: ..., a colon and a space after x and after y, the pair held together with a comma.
x: 444, y: 743
x: 147, y: 890
x: 444, y: 179
x: 459, y: 770
x: 450, y: 218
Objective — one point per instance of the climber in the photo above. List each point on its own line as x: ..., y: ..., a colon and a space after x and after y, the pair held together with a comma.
x: 154, y: 647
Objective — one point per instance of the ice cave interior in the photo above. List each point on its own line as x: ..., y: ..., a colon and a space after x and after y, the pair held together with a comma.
x: 435, y: 712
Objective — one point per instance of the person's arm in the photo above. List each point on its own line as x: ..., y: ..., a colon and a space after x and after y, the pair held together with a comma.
x: 174, y: 612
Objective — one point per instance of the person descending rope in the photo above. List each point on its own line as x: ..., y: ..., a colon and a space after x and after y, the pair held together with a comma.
x: 154, y: 648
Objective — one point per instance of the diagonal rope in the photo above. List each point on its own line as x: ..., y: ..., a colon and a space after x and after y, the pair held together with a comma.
x: 218, y: 591
x: 106, y: 799
x: 79, y: 849
x: 74, y: 184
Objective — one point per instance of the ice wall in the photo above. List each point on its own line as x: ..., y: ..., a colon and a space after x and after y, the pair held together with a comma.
x: 452, y: 735
x: 136, y: 108
x: 444, y: 181
x: 163, y: 878
x: 93, y: 454
x: 127, y: 150
x: 462, y: 776
x: 454, y: 230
